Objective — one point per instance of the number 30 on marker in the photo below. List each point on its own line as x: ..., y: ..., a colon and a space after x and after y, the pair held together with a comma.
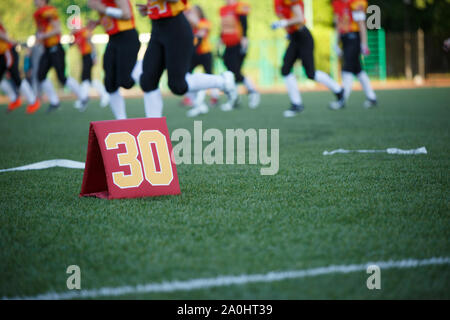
x: 147, y: 143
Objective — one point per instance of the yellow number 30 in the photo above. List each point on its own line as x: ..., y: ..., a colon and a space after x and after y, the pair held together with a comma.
x: 145, y: 140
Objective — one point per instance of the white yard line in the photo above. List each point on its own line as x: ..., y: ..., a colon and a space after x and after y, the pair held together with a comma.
x: 222, y: 281
x: 62, y: 163
x: 421, y: 150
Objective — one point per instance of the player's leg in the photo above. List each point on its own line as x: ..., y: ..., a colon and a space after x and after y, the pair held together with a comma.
x: 153, y: 67
x: 24, y: 87
x: 199, y: 97
x: 57, y: 60
x: 254, y: 98
x: 45, y: 84
x: 110, y: 66
x: 352, y: 51
x: 129, y: 69
x: 306, y: 49
x: 85, y: 79
x: 290, y: 56
x: 8, y: 89
x: 214, y: 93
x: 371, y: 98
x: 189, y: 98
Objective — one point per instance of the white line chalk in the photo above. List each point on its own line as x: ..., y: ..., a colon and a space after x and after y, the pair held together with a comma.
x: 62, y: 163
x: 422, y: 150
x: 222, y: 281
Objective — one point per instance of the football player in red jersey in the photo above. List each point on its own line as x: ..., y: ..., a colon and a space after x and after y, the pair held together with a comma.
x: 82, y: 39
x: 301, y: 47
x: 233, y: 34
x: 120, y: 59
x: 171, y: 47
x: 9, y: 61
x: 350, y: 20
x: 49, y: 33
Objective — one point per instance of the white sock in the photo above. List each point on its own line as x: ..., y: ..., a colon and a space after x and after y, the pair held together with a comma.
x: 200, y: 97
x: 327, y: 81
x: 47, y: 87
x: 249, y: 85
x: 26, y: 90
x: 7, y: 88
x: 153, y: 103
x: 365, y: 83
x: 73, y: 85
x: 191, y: 95
x: 117, y: 103
x: 347, y: 83
x: 202, y: 81
x: 99, y: 87
x: 85, y: 85
x: 137, y: 72
x: 292, y: 88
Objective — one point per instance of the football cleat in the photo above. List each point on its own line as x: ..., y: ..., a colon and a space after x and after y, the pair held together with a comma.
x: 198, y: 110
x: 32, y: 108
x: 340, y: 101
x: 293, y: 111
x: 369, y: 103
x: 254, y: 99
x: 230, y: 89
x: 214, y: 101
x: 53, y: 107
x: 187, y: 102
x: 14, y: 105
x: 226, y: 107
x: 83, y: 105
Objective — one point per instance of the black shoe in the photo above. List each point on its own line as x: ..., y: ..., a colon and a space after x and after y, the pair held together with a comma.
x: 52, y: 107
x: 293, y: 111
x: 370, y: 103
x: 340, y: 101
x: 84, y: 105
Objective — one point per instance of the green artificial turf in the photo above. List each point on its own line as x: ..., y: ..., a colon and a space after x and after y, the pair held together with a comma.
x: 229, y: 220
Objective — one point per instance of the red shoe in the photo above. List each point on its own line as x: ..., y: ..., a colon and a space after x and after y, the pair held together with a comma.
x: 214, y: 101
x: 32, y: 108
x: 14, y: 105
x: 187, y: 102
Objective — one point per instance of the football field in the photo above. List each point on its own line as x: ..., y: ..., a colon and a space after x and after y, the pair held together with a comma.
x: 231, y: 223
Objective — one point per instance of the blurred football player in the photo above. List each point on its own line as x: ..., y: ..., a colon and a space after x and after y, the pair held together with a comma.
x: 171, y: 47
x: 120, y: 59
x: 82, y: 39
x: 9, y: 62
x: 301, y: 46
x: 350, y: 21
x: 202, y: 57
x: 233, y: 34
x: 49, y: 33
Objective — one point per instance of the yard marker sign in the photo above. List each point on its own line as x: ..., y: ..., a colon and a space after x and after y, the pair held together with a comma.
x: 129, y: 159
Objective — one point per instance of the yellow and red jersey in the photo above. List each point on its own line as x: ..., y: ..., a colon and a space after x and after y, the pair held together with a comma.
x: 205, y: 45
x: 343, y: 10
x: 113, y: 25
x: 4, y: 45
x: 231, y: 29
x: 283, y: 9
x: 44, y: 17
x: 82, y: 40
x: 160, y: 9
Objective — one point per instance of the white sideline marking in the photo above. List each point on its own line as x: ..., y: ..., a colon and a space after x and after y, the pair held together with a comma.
x: 422, y: 150
x: 49, y: 164
x: 222, y: 281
